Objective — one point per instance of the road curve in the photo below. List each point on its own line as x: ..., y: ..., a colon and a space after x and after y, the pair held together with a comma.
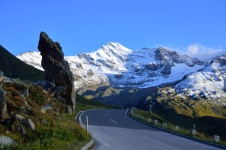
x: 112, y: 130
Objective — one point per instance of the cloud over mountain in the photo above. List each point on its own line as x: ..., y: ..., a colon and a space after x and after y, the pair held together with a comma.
x: 202, y: 52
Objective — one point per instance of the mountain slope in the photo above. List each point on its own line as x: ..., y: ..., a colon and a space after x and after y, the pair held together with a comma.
x: 15, y: 68
x: 33, y: 59
x: 198, y: 94
x: 118, y: 66
x: 208, y: 83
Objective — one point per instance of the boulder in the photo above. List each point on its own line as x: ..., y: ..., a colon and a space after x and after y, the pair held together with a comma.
x: 69, y: 110
x: 58, y: 90
x: 20, y: 118
x: 43, y: 121
x: 6, y: 141
x: 57, y: 68
x: 30, y: 124
x: 45, y: 108
x: 3, y: 105
x: 47, y: 85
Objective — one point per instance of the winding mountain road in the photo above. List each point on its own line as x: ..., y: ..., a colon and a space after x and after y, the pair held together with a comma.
x: 113, y: 130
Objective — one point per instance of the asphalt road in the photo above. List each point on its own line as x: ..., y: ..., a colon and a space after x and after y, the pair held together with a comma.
x: 112, y: 130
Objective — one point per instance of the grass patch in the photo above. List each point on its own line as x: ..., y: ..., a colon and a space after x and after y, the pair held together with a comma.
x: 206, y: 127
x: 52, y: 130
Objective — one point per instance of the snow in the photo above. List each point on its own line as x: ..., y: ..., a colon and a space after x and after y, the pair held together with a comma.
x: 120, y: 66
x: 208, y: 82
x: 32, y: 58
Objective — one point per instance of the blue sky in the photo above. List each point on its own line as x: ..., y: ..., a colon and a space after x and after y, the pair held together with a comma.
x: 196, y: 27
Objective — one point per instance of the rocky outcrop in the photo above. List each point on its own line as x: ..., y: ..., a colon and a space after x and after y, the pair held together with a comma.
x: 56, y: 68
x: 222, y: 59
x: 172, y: 58
x: 28, y: 122
x: 46, y: 107
x: 6, y: 141
x: 3, y: 105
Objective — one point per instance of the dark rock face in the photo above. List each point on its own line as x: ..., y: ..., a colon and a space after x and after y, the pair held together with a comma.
x: 152, y: 66
x: 56, y: 68
x: 172, y: 57
x: 222, y: 60
x: 166, y: 69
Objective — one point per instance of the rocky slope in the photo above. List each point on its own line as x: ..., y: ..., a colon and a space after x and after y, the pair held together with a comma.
x: 208, y: 83
x: 119, y: 66
x: 198, y: 94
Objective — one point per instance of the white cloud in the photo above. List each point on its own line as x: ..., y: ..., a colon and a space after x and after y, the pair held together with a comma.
x: 198, y: 51
x: 193, y: 49
x: 202, y: 52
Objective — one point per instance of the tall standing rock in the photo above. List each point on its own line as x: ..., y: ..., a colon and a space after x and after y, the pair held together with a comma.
x: 57, y: 68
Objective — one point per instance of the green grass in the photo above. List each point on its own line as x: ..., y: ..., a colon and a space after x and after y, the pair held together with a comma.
x: 15, y: 68
x: 60, y: 131
x: 206, y: 126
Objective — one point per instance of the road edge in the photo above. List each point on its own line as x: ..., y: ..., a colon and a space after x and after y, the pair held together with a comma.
x: 91, y: 143
x: 181, y: 135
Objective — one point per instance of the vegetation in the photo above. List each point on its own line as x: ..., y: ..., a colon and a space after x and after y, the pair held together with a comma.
x: 53, y: 129
x: 185, y: 111
x: 167, y: 99
x: 15, y: 68
x: 206, y: 127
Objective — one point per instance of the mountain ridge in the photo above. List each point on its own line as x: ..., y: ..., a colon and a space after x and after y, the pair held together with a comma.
x: 113, y: 72
x: 116, y: 65
x: 15, y: 68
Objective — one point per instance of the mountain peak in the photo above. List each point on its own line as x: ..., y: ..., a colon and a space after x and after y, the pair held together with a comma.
x: 116, y: 47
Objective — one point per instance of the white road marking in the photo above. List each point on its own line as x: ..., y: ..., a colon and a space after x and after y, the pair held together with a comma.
x: 113, y: 121
x: 106, y: 144
x: 159, y: 143
x: 147, y: 137
x: 106, y: 114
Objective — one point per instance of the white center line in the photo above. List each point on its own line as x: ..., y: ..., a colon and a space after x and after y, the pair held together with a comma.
x: 106, y: 114
x: 113, y: 121
x: 160, y: 143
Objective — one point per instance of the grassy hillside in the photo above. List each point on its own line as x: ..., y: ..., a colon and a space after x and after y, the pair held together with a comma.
x: 15, y: 68
x: 54, y: 129
x: 184, y: 111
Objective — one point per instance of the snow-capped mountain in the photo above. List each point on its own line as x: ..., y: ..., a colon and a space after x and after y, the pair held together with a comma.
x: 208, y: 83
x: 32, y: 58
x: 121, y: 67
